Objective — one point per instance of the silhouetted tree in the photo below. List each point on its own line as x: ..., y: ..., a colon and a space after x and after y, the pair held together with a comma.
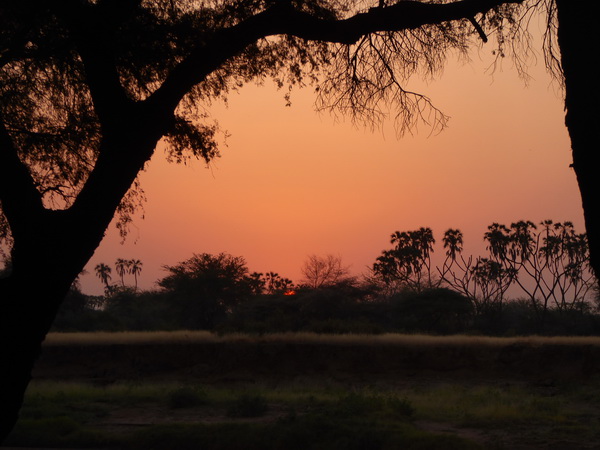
x: 483, y: 280
x: 276, y: 284
x: 408, y: 264
x: 135, y: 268
x: 575, y: 27
x: 322, y: 271
x: 204, y: 288
x: 548, y: 265
x: 75, y: 306
x: 103, y: 272
x: 269, y: 283
x: 437, y: 310
x: 6, y: 269
x: 88, y: 88
x: 122, y: 267
x: 257, y: 283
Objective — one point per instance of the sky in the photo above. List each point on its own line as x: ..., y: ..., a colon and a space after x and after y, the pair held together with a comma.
x: 292, y: 182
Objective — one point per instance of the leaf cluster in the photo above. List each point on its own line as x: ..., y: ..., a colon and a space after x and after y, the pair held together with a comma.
x: 53, y: 53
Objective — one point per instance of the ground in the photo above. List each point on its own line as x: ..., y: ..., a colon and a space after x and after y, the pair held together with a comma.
x: 309, y: 391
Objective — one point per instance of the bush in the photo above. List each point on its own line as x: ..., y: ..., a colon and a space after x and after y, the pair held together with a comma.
x: 440, y: 311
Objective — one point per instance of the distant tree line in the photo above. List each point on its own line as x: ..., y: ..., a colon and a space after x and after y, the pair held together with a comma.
x: 549, y: 265
x: 403, y: 291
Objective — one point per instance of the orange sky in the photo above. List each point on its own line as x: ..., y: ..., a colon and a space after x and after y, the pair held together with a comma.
x: 292, y: 182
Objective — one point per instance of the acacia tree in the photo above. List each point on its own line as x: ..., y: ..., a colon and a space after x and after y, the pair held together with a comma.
x: 89, y: 87
x: 205, y: 287
x: 324, y: 271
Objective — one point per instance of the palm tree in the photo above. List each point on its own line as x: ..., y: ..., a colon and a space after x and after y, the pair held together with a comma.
x: 122, y: 266
x: 103, y: 272
x: 135, y: 268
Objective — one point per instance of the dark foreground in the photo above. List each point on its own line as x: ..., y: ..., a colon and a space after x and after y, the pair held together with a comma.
x: 195, y: 390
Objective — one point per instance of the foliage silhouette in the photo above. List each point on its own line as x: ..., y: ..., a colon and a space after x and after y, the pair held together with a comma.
x: 205, y: 287
x: 135, y: 268
x: 548, y: 265
x: 273, y: 283
x: 408, y: 264
x: 122, y: 267
x: 324, y: 271
x: 88, y: 88
x: 215, y: 292
x: 436, y: 311
x: 103, y: 271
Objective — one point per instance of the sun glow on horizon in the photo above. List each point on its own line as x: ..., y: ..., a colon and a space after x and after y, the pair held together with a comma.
x: 292, y: 182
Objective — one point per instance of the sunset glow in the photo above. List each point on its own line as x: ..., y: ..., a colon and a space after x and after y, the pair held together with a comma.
x: 292, y: 182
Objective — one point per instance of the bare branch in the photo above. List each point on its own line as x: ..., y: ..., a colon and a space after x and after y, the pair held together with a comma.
x: 283, y: 19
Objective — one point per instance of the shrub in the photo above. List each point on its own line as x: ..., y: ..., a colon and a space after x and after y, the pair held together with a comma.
x: 439, y: 310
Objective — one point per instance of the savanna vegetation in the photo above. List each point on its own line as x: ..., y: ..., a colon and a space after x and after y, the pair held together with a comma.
x: 321, y: 363
x: 89, y: 87
x: 535, y: 280
x: 309, y: 391
x: 319, y: 416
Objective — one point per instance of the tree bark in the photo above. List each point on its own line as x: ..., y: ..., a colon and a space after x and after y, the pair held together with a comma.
x: 51, y: 251
x: 29, y: 306
x: 579, y: 43
x: 52, y: 247
x: 43, y: 269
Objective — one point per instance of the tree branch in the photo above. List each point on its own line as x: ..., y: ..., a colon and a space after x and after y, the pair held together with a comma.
x: 478, y: 28
x: 284, y: 19
x: 85, y: 22
x: 21, y: 201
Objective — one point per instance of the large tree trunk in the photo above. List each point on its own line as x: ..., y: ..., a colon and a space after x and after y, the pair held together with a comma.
x: 28, y: 307
x: 43, y: 268
x: 49, y: 252
x: 579, y: 43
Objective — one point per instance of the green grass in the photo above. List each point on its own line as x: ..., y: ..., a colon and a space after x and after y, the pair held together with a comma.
x: 65, y: 414
x: 415, y: 392
x: 316, y: 416
x: 483, y: 406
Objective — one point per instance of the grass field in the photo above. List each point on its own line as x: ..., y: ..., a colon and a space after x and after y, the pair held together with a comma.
x: 196, y: 390
x: 169, y: 337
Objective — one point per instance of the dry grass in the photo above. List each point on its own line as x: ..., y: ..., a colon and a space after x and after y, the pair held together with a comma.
x: 391, y: 358
x: 520, y: 392
x: 412, y: 340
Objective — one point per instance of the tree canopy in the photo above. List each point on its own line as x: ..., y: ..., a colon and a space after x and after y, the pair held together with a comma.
x: 71, y: 71
x: 89, y: 87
